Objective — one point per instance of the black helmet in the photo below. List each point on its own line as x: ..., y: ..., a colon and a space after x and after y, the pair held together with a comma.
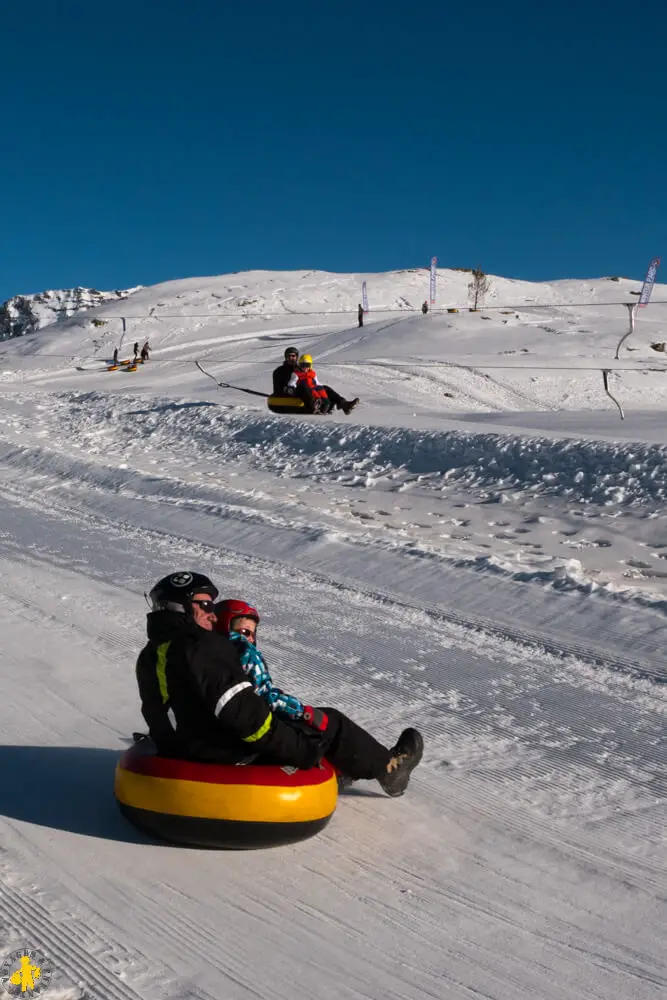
x: 173, y: 592
x: 291, y: 350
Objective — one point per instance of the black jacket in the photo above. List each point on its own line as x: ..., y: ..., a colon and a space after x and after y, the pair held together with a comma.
x: 281, y: 376
x: 199, y: 705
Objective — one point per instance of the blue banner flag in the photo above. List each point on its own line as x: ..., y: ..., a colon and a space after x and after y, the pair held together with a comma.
x: 364, y: 297
x: 434, y: 264
x: 649, y: 282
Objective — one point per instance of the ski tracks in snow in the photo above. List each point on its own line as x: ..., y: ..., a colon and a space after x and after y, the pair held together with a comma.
x: 532, y: 865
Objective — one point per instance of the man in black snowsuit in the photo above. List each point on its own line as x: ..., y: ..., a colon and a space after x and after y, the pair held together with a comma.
x: 360, y: 315
x: 200, y: 705
x: 283, y: 373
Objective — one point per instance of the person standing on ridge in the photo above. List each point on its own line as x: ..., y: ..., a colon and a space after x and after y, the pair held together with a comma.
x: 360, y: 315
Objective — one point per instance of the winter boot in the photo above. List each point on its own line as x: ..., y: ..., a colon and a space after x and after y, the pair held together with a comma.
x: 404, y: 758
x: 349, y: 406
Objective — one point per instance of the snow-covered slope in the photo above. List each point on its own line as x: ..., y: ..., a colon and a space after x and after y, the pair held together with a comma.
x: 506, y: 405
x: 479, y: 549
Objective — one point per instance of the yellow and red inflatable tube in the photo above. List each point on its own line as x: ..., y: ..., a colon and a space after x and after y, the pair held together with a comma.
x: 236, y: 806
x: 286, y: 404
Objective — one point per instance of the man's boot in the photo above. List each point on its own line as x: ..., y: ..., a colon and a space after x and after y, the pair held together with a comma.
x: 404, y: 758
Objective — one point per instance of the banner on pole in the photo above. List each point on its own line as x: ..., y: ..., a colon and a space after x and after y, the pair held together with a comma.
x: 364, y: 297
x: 649, y: 282
x: 434, y: 264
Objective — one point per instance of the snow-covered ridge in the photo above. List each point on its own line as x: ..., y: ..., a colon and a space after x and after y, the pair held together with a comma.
x: 23, y: 314
x: 305, y: 293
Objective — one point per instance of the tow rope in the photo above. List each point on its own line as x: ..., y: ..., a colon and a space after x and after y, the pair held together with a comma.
x: 227, y: 385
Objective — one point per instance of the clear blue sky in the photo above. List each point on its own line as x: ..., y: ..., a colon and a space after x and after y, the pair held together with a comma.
x: 160, y: 139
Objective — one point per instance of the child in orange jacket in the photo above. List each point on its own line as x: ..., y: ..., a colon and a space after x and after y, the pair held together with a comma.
x: 305, y: 383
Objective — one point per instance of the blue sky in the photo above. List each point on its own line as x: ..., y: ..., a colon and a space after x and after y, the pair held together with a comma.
x: 153, y: 140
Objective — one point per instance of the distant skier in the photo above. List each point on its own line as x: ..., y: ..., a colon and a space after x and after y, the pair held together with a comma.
x: 136, y: 350
x: 144, y: 351
x: 360, y: 314
x: 115, y: 356
x: 424, y: 307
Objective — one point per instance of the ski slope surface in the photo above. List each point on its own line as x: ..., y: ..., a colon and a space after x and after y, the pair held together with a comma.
x: 478, y: 550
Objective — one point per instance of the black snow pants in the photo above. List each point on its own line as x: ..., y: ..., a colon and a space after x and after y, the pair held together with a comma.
x: 334, y: 397
x: 353, y: 751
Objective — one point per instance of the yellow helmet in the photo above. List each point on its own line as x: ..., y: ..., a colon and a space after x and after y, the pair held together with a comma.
x: 305, y: 359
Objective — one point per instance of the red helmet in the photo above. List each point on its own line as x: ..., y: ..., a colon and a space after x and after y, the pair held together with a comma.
x: 228, y: 610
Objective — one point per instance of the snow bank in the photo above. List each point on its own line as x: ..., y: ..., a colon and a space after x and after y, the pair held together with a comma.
x: 585, y: 471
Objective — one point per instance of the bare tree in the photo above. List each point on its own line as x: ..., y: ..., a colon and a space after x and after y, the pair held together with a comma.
x: 478, y: 287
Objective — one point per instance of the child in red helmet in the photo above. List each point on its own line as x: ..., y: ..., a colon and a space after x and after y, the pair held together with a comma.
x: 352, y: 751
x: 238, y: 621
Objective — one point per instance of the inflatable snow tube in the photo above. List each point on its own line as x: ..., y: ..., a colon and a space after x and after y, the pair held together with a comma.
x: 233, y: 806
x: 286, y: 404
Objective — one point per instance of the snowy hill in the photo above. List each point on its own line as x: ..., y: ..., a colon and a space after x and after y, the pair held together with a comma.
x: 23, y: 314
x: 478, y: 549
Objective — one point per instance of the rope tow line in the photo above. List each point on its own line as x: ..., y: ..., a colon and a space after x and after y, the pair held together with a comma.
x: 227, y: 385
